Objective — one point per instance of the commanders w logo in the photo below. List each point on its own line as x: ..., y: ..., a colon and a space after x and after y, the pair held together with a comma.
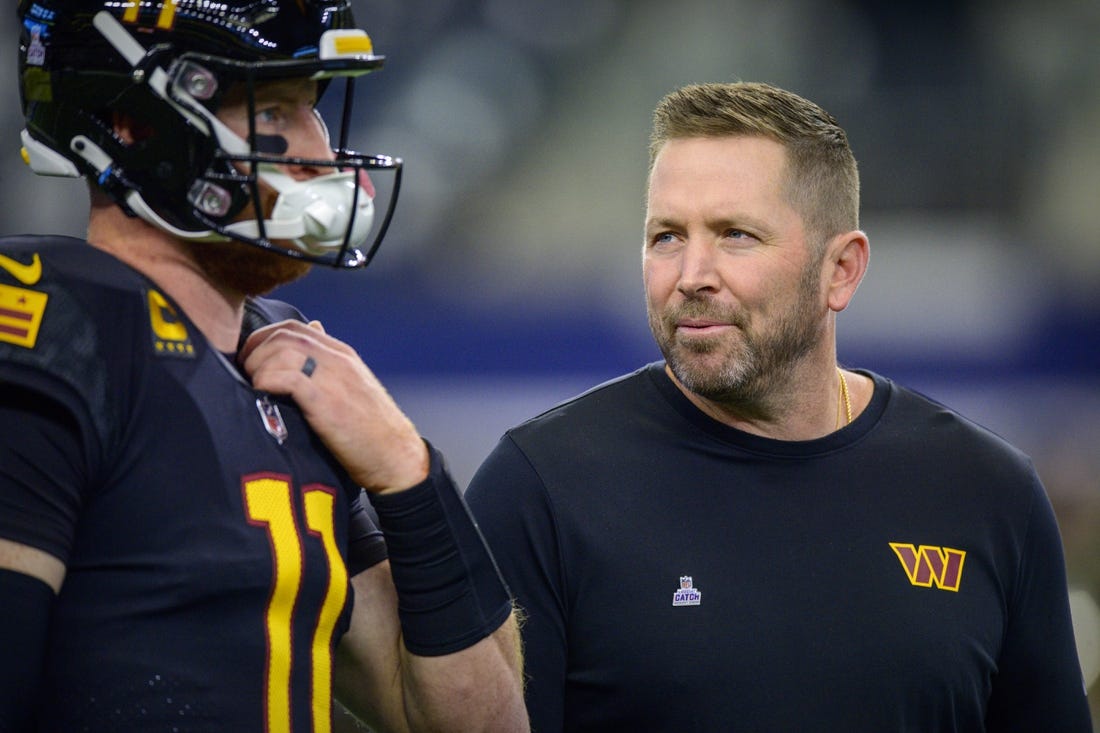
x: 927, y: 565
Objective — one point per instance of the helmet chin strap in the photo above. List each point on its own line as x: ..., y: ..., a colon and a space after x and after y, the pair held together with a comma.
x: 316, y: 215
x: 98, y: 158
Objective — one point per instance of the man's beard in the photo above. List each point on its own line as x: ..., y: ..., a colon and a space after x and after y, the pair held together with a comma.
x: 739, y: 372
x: 244, y: 268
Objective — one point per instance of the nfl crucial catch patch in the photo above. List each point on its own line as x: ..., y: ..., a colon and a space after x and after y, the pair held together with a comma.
x: 687, y: 594
x: 36, y: 50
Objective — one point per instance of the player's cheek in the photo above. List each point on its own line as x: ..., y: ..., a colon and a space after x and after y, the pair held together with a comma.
x: 366, y: 183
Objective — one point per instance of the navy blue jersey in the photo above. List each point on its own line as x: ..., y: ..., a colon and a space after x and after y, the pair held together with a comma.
x: 208, y: 535
x: 904, y: 573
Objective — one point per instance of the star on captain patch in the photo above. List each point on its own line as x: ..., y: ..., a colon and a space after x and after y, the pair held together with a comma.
x: 687, y: 594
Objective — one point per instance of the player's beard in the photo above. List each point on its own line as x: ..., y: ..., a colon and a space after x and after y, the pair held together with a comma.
x: 740, y: 369
x: 244, y: 268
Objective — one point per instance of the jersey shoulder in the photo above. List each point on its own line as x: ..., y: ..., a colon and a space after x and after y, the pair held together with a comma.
x: 615, y: 417
x: 606, y: 406
x: 909, y: 409
x: 977, y: 466
x: 72, y: 320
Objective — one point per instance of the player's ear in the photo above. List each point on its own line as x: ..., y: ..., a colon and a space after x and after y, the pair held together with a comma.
x: 847, y: 256
x: 128, y: 128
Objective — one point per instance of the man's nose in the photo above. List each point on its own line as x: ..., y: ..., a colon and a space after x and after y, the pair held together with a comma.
x: 698, y: 270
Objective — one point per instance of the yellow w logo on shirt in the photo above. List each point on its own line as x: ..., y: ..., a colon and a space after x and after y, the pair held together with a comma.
x: 929, y: 566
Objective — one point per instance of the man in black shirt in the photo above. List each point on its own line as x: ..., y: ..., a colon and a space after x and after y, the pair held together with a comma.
x: 747, y: 536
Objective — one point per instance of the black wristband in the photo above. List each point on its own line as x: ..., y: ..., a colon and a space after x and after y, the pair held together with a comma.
x: 450, y: 594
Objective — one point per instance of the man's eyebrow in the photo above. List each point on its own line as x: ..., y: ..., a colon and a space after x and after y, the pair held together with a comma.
x: 734, y: 221
x: 661, y: 222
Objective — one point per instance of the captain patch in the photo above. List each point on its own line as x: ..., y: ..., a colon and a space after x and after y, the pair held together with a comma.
x: 170, y: 337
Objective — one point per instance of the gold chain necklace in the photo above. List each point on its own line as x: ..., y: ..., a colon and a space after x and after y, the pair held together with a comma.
x: 843, y: 400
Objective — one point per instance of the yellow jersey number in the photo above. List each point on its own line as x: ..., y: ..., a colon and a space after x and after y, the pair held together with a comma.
x: 269, y: 503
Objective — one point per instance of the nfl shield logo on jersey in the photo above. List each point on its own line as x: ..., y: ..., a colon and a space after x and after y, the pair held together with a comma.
x: 272, y: 418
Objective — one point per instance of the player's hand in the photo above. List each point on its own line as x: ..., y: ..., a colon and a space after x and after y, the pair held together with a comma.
x: 343, y: 401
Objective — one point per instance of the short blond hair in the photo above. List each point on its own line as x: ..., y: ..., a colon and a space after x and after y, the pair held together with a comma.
x: 822, y: 178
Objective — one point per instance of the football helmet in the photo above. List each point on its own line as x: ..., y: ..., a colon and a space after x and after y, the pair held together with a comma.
x: 167, y: 65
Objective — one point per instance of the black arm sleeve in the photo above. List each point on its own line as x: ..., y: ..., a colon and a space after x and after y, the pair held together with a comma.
x: 24, y: 621
x: 450, y: 592
x: 41, y: 459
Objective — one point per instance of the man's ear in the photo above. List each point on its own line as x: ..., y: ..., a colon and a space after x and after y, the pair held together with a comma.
x: 128, y: 129
x: 847, y: 256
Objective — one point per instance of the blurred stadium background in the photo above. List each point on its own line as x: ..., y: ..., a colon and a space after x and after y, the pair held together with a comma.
x: 510, y: 278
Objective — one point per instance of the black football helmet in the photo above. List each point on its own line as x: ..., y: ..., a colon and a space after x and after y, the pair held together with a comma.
x: 168, y: 64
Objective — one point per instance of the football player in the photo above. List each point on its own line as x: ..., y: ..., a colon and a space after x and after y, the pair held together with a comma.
x: 212, y: 515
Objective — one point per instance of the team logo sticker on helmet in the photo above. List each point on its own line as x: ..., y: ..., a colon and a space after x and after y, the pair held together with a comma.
x: 170, y: 337
x: 36, y: 51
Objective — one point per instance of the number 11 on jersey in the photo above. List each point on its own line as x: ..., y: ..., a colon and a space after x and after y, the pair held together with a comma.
x: 269, y: 503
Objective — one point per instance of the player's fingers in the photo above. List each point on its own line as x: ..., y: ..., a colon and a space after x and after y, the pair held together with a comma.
x: 285, y: 334
x: 287, y: 371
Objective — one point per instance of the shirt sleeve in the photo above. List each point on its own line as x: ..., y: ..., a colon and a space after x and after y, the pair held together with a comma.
x: 1038, y: 684
x: 366, y: 544
x: 515, y: 515
x: 42, y: 467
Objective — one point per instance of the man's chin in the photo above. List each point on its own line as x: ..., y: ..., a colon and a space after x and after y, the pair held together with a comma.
x: 714, y: 374
x: 246, y: 269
